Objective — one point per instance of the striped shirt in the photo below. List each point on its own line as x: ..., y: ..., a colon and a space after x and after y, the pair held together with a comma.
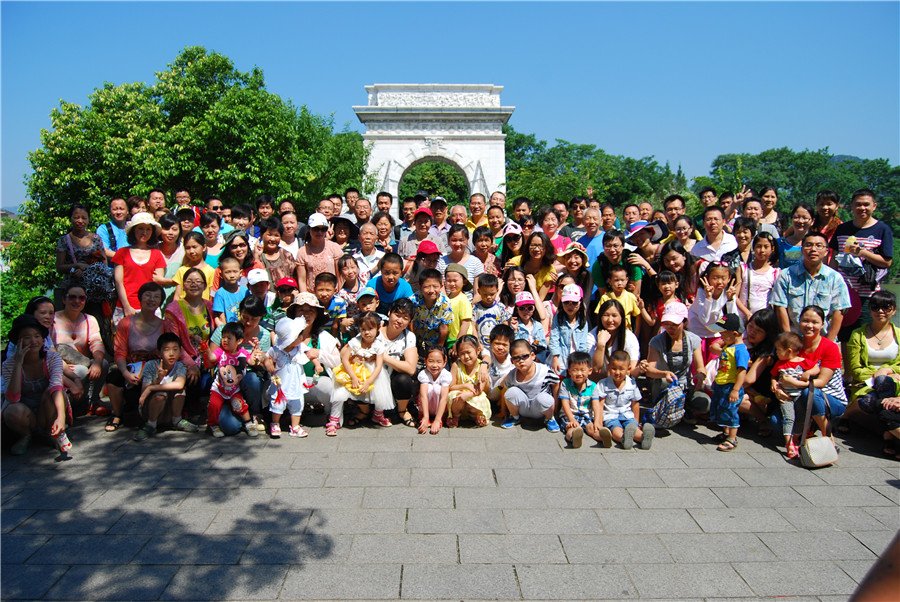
x: 877, y: 238
x: 83, y: 334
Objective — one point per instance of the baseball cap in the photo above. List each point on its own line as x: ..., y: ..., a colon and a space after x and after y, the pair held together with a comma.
x: 367, y: 292
x: 286, y: 282
x: 675, y: 312
x: 571, y: 292
x: 317, y: 220
x: 728, y: 322
x: 427, y: 247
x: 512, y: 228
x: 524, y: 298
x: 424, y: 210
x: 257, y: 275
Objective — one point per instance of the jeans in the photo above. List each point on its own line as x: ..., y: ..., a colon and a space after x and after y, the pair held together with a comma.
x: 835, y: 407
x: 252, y: 387
x: 228, y: 422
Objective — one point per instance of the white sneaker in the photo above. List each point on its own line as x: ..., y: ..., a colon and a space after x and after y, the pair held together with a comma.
x: 216, y: 432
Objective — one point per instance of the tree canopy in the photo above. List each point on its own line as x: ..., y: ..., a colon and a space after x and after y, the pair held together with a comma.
x: 202, y: 125
x: 438, y: 179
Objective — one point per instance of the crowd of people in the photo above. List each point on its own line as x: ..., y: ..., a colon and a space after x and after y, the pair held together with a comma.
x: 577, y: 316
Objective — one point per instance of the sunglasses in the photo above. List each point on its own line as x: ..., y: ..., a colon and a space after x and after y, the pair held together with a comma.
x: 76, y: 297
x: 520, y: 358
x: 320, y: 229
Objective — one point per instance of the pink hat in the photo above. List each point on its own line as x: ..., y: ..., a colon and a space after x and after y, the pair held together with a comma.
x: 675, y: 312
x: 571, y: 292
x: 524, y: 298
x: 512, y: 228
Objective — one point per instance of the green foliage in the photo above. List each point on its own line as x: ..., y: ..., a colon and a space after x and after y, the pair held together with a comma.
x: 201, y: 125
x: 438, y: 179
x: 14, y: 296
x: 565, y: 170
x: 10, y: 228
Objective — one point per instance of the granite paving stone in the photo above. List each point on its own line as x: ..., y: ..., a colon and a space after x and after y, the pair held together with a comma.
x: 298, y: 548
x: 125, y: 498
x: 536, y: 477
x: 845, y: 496
x: 309, y: 498
x: 615, y: 549
x: 423, y: 460
x: 368, y: 477
x: 159, y: 521
x: 408, y: 497
x: 575, y: 582
x: 889, y: 515
x: 462, y: 459
x: 684, y: 580
x: 571, y: 520
x: 842, y: 519
x: 10, y: 519
x: 760, y: 497
x: 342, y: 582
x: 352, y: 521
x: 27, y: 582
x: 641, y: 477
x: 305, y: 461
x: 453, y: 477
x: 226, y: 583
x: 68, y: 522
x: 648, y: 521
x: 824, y: 545
x: 674, y: 497
x: 455, y: 521
x: 589, y: 456
x: 737, y: 520
x: 187, y: 549
x: 462, y: 581
x: 856, y: 569
x: 404, y: 549
x: 476, y: 498
x: 593, y: 497
x: 89, y: 549
x: 777, y: 476
x: 446, y: 444
x: 113, y: 582
x: 716, y: 547
x: 15, y: 549
x: 876, y: 541
x: 699, y: 477
x: 798, y: 578
x: 510, y: 549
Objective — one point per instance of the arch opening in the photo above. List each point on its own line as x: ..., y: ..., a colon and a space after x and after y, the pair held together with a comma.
x: 437, y: 176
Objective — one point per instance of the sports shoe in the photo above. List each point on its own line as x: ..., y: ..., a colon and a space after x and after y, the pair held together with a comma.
x: 628, y: 436
x: 511, y: 421
x: 605, y: 437
x: 186, y: 426
x: 260, y: 424
x: 216, y: 431
x: 298, y: 431
x: 577, y: 436
x: 649, y: 432
x: 275, y: 431
x: 62, y: 441
x: 552, y: 425
x: 145, y: 432
x: 250, y: 430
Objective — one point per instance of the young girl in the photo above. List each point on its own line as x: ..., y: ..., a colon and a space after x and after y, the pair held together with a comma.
x: 468, y: 393
x: 194, y: 257
x: 789, y: 244
x: 214, y: 241
x: 575, y: 263
x: 554, y: 304
x: 826, y: 220
x: 570, y: 328
x: 613, y: 335
x: 527, y: 327
x: 434, y: 388
x: 484, y: 243
x: 284, y: 362
x: 516, y: 281
x: 758, y: 278
x: 360, y: 375
x: 668, y: 290
x: 718, y: 288
x: 349, y: 292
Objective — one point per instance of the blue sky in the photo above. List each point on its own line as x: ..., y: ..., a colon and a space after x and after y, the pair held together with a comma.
x: 683, y: 82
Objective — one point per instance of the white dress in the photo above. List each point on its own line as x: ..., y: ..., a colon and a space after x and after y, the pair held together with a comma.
x: 380, y: 395
x: 433, y: 394
x: 288, y: 368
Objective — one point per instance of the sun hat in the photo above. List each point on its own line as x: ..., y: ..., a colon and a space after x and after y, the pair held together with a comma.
x: 427, y: 247
x: 257, y: 275
x: 307, y: 298
x: 455, y: 267
x: 317, y: 220
x: 288, y: 329
x: 367, y: 292
x: 571, y: 292
x: 574, y: 247
x: 658, y: 230
x: 351, y: 221
x: 21, y: 323
x: 524, y: 298
x: 675, y: 312
x: 143, y: 218
x: 512, y: 228
x: 286, y: 282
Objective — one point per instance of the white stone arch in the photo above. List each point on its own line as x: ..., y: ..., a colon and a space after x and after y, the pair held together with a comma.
x: 459, y: 124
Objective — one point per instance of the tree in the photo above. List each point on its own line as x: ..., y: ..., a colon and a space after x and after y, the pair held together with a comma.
x: 438, y: 179
x: 202, y: 125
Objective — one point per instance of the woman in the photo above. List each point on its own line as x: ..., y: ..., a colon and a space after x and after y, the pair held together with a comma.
x: 78, y: 341
x: 762, y: 329
x: 769, y: 198
x: 538, y: 262
x: 276, y: 260
x: 613, y: 334
x: 191, y: 318
x: 344, y: 233
x: 401, y: 356
x: 320, y: 347
x: 789, y: 244
x: 511, y: 245
x: 673, y: 355
x: 873, y: 350
x: 135, y: 343
x: 139, y: 263
x: 257, y: 341
x: 79, y: 248
x: 676, y: 259
x: 827, y: 220
x: 458, y: 237
x: 685, y: 232
x: 290, y: 242
x: 549, y: 219
x: 32, y: 387
x: 318, y: 254
x: 172, y: 251
x: 384, y: 225
x: 829, y: 399
x: 209, y: 225
x: 237, y: 245
x: 744, y: 232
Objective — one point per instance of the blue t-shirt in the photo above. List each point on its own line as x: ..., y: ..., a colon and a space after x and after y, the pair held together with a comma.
x: 594, y: 248
x: 402, y: 290
x: 228, y: 303
x: 118, y: 234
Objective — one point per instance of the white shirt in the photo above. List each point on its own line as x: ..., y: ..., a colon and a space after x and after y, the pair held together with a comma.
x: 703, y: 250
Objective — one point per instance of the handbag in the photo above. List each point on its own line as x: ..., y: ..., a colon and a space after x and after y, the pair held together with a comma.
x: 669, y: 407
x: 815, y: 452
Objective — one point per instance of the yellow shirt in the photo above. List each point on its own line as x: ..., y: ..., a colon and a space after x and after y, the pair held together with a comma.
x: 462, y: 310
x: 541, y: 277
x: 207, y: 270
x: 628, y: 301
x: 472, y: 225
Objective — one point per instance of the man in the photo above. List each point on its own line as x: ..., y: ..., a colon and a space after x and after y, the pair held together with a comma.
x: 441, y: 226
x: 646, y: 209
x: 498, y: 199
x: 521, y: 207
x: 338, y: 202
x: 182, y: 198
x: 717, y: 241
x: 631, y: 214
x: 458, y: 214
x: 673, y: 207
x: 477, y: 206
x: 729, y: 208
x: 351, y: 195
x: 156, y: 200
x: 753, y: 209
x: 405, y: 227
x: 873, y: 245
x: 362, y: 209
x: 811, y: 282
x: 592, y: 241
x: 408, y: 247
x: 326, y: 208
x: 215, y: 204
x: 708, y: 198
x: 563, y: 209
x: 607, y: 217
x: 383, y: 201
x: 576, y: 229
x: 112, y: 233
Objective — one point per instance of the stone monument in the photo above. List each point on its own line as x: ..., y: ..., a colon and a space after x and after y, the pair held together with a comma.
x: 459, y: 124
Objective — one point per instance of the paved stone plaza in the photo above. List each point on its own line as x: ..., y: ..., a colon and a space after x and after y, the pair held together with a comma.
x: 467, y: 514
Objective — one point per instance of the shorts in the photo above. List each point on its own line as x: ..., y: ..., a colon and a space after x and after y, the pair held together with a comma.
x: 721, y: 410
x: 620, y: 422
x: 581, y: 419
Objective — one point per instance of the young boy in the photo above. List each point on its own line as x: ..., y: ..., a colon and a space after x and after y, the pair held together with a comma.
x: 163, y: 385
x: 500, y: 365
x: 432, y: 314
x: 790, y: 374
x: 728, y: 389
x: 389, y: 285
x: 580, y: 401
x: 366, y: 301
x: 258, y: 283
x: 617, y: 281
x: 335, y: 306
x: 242, y: 219
x: 620, y: 404
x: 285, y: 292
x: 456, y: 283
x: 231, y: 360
x: 230, y: 294
x: 488, y: 312
x: 530, y: 389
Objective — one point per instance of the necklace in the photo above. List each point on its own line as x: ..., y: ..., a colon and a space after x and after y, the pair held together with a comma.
x: 879, y: 339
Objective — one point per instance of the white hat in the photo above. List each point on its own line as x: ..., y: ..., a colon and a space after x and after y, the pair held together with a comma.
x: 143, y: 218
x: 288, y: 329
x: 317, y: 220
x: 257, y: 275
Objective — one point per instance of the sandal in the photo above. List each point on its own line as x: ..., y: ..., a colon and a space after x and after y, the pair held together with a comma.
x: 331, y: 428
x: 720, y: 438
x: 792, y: 450
x: 480, y: 420
x: 727, y: 445
x: 111, y: 424
x: 452, y: 422
x: 381, y: 420
x: 409, y: 420
x: 889, y: 450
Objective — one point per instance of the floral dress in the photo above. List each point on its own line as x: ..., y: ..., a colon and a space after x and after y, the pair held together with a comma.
x: 91, y: 254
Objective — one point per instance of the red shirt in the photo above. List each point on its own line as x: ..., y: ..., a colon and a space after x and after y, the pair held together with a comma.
x: 135, y: 275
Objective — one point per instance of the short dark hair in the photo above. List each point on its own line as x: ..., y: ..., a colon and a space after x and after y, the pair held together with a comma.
x: 673, y: 197
x: 483, y: 231
x: 713, y: 209
x: 325, y: 278
x: 813, y: 234
x: 620, y: 355
x: 253, y: 305
x: 521, y: 201
x: 486, y: 280
x: 76, y: 206
x: 349, y: 190
x: 402, y: 305
x: 151, y: 287
x: 579, y: 357
x: 427, y: 274
x: 167, y: 337
x: 235, y: 329
x: 208, y: 218
x: 369, y: 318
x: 383, y: 193
x: 241, y: 210
x: 863, y: 192
x: 271, y: 223
x: 706, y: 189
x: 390, y: 258
x: 521, y: 343
x: 502, y: 331
x: 265, y: 199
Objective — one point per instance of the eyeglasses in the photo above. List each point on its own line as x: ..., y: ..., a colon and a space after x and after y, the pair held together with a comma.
x: 241, y: 245
x: 811, y: 245
x: 520, y: 358
x: 535, y: 246
x: 76, y: 297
